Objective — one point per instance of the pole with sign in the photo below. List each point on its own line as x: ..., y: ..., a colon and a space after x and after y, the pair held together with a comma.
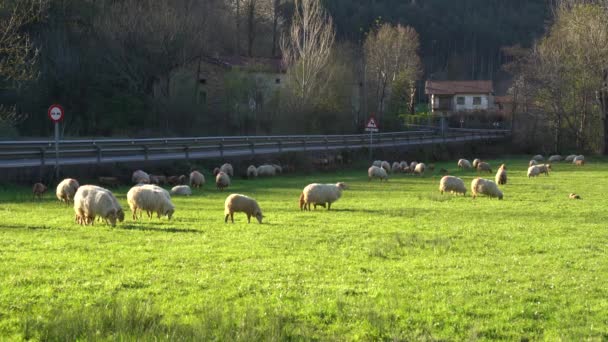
x: 371, y: 127
x: 56, y: 114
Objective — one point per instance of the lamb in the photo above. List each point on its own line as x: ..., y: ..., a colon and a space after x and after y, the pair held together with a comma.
x: 501, y: 175
x: 150, y: 199
x: 464, y: 164
x: 266, y: 170
x: 377, y: 172
x: 181, y: 190
x: 66, y: 190
x: 222, y: 180
x: 480, y: 186
x: 544, y: 168
x: 533, y: 171
x: 579, y: 162
x: 532, y: 163
x: 570, y: 158
x: 91, y: 201
x: 237, y: 203
x: 555, y: 158
x: 252, y: 171
x: 419, y: 169
x: 483, y: 166
x: 579, y: 157
x: 323, y: 193
x: 453, y: 185
x: 227, y: 169
x: 303, y: 203
x: 475, y: 162
x: 538, y: 158
x: 140, y: 177
x: 396, y: 167
x: 196, y: 179
x: 38, y: 190
x: 386, y: 166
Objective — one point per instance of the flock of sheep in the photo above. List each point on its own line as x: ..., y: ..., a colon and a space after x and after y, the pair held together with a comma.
x: 92, y: 201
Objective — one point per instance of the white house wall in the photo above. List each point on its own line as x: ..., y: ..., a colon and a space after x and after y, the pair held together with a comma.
x: 468, y: 102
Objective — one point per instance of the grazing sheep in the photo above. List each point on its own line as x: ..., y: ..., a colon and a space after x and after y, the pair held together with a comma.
x: 216, y: 171
x: 158, y: 180
x: 538, y: 158
x: 420, y: 168
x: 413, y: 166
x: 483, y: 166
x: 92, y: 201
x: 396, y: 167
x: 579, y: 162
x: 579, y: 157
x: 377, y: 163
x: 38, y: 190
x: 570, y: 158
x: 386, y: 166
x: 377, y: 172
x: 222, y: 180
x: 453, y: 185
x: 227, y: 169
x: 464, y: 164
x: 475, y: 162
x: 480, y: 186
x: 237, y: 203
x: 574, y: 196
x: 140, y: 177
x: 150, y: 199
x: 555, y: 158
x: 303, y: 203
x: 277, y: 168
x: 404, y: 165
x: 66, y: 190
x: 501, y: 175
x: 196, y: 179
x: 266, y: 170
x: 323, y: 193
x: 177, y: 180
x: 181, y: 190
x: 252, y: 171
x: 544, y: 168
x: 532, y: 163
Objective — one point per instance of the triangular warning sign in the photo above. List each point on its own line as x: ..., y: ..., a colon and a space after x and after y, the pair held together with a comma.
x: 372, y: 123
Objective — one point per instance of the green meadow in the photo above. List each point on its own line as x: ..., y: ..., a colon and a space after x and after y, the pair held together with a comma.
x: 391, y: 261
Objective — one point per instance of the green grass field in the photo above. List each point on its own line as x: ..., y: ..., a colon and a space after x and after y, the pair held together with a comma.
x: 390, y: 261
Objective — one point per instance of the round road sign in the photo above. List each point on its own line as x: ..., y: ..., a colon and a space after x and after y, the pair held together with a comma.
x: 56, y: 113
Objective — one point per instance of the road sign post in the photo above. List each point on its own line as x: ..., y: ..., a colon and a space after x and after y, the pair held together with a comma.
x: 56, y: 113
x: 371, y: 127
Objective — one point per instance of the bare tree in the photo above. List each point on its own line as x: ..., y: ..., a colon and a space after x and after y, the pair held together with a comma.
x: 306, y: 49
x: 391, y: 58
x: 251, y: 8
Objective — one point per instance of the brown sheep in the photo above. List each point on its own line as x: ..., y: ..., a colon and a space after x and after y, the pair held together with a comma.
x: 580, y: 162
x: 38, y: 190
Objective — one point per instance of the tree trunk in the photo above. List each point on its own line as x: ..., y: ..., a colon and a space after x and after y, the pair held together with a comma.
x: 237, y: 22
x: 603, y: 99
x: 275, y: 26
x: 412, y: 100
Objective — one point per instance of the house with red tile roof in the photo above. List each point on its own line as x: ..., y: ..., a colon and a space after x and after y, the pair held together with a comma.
x: 446, y: 97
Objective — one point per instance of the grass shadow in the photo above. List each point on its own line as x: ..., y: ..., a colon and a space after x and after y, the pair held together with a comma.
x: 159, y: 230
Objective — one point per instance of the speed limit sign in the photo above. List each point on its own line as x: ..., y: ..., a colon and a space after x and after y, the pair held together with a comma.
x: 56, y: 113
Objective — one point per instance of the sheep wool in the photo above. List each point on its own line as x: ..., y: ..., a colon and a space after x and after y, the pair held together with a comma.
x: 579, y: 157
x: 323, y: 193
x: 420, y: 168
x: 464, y: 164
x: 237, y: 203
x: 404, y: 165
x: 151, y: 200
x: 538, y: 158
x: 475, y: 162
x: 570, y: 158
x: 386, y: 166
x: 181, y: 190
x: 483, y: 166
x: 413, y: 166
x: 222, y: 181
x: 91, y: 201
x: 532, y: 163
x: 38, y: 190
x: 533, y: 171
x: 501, y: 175
x: 197, y: 179
x: 453, y: 185
x: 377, y: 172
x: 227, y: 168
x: 277, y: 168
x: 377, y: 163
x: 555, y: 158
x: 66, y: 190
x: 140, y: 177
x: 544, y: 168
x: 396, y: 167
x: 579, y: 162
x: 480, y: 186
x: 252, y: 172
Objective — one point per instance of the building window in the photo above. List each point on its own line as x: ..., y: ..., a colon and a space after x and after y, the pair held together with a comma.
x: 460, y: 100
x: 476, y: 100
x: 203, y: 81
x: 277, y: 81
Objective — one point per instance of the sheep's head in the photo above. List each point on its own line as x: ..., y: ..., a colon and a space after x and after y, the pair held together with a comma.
x: 548, y: 166
x: 500, y: 196
x: 111, y: 217
x: 120, y: 215
x: 216, y: 171
x: 342, y: 185
x: 169, y: 212
x: 259, y: 216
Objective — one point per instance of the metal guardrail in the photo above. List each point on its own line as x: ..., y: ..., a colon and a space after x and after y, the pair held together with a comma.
x: 15, y: 154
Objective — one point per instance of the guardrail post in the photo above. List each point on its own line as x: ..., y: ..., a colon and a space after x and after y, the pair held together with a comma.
x: 280, y: 143
x: 98, y: 153
x: 187, y: 153
x: 221, y: 147
x: 326, y: 144
x: 252, y: 146
x: 145, y: 152
x: 42, y: 159
x: 304, y: 145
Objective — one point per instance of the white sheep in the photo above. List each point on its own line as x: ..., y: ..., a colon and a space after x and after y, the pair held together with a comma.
x: 480, y: 186
x: 227, y: 169
x: 277, y: 168
x: 453, y: 185
x: 483, y: 166
x: 404, y: 165
x: 555, y: 158
x: 501, y: 175
x: 464, y: 164
x: 570, y: 158
x: 538, y: 158
x: 181, y: 190
x: 386, y: 166
x: 420, y: 168
x: 91, y: 201
x: 544, y: 168
x: 577, y: 158
x: 396, y: 167
x: 237, y: 203
x: 322, y: 193
x: 377, y: 163
x: 533, y: 171
x: 532, y: 163
x: 222, y: 180
x: 66, y: 190
x: 413, y: 165
x: 377, y: 172
x: 151, y: 200
x: 197, y: 179
x: 475, y: 162
x: 266, y: 170
x: 140, y: 177
x: 252, y: 172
